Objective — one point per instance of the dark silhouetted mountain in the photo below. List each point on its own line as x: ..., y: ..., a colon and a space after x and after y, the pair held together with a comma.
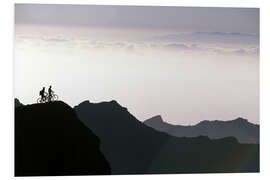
x: 17, y: 103
x: 51, y: 140
x: 240, y: 128
x: 131, y: 147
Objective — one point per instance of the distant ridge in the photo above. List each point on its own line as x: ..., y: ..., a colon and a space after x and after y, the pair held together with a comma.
x: 131, y: 147
x: 240, y: 128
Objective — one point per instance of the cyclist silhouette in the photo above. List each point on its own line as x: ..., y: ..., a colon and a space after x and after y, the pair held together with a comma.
x: 42, y: 94
x: 50, y: 91
x: 47, y: 97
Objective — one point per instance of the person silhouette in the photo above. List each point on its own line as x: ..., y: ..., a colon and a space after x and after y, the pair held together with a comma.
x: 50, y: 91
x: 42, y: 94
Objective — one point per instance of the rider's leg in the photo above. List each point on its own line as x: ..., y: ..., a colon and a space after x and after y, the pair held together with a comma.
x: 43, y: 98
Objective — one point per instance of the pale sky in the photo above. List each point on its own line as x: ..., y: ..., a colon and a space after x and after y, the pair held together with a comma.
x: 185, y: 64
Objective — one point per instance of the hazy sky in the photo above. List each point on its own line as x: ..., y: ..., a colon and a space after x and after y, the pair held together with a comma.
x: 186, y: 64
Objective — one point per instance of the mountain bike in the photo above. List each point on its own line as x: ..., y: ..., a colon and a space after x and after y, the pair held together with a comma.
x: 54, y: 97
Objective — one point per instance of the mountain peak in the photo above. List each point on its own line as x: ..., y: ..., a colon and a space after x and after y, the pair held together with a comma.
x: 17, y: 103
x: 237, y: 120
x: 157, y: 122
x: 240, y: 119
x: 240, y: 128
x: 109, y: 102
x: 115, y: 103
x: 156, y: 118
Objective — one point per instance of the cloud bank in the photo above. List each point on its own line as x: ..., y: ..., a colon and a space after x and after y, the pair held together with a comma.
x: 223, y: 43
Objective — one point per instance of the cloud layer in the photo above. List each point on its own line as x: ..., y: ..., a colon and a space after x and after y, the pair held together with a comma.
x: 136, y: 28
x: 211, y: 37
x: 195, y: 42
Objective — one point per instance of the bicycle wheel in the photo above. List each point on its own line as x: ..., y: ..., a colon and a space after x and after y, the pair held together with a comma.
x: 55, y: 97
x: 39, y: 100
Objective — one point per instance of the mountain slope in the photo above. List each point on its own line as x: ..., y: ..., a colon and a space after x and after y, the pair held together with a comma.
x: 131, y: 147
x: 50, y: 140
x: 240, y: 128
x: 17, y: 103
